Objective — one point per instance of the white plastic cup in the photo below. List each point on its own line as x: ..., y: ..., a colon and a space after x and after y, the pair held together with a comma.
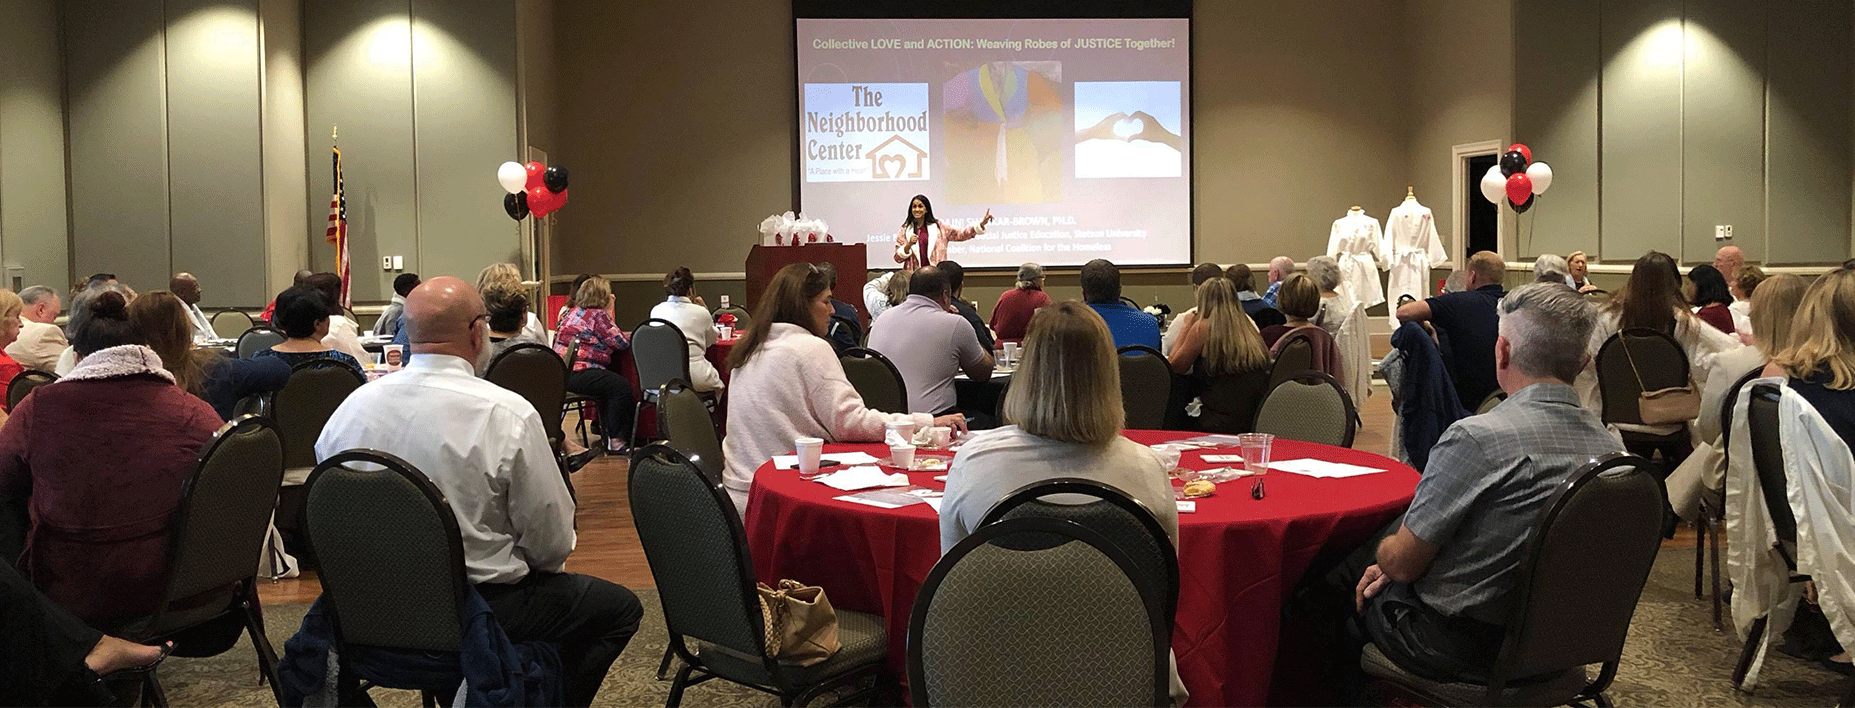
x: 943, y: 438
x: 902, y: 456
x: 726, y: 332
x: 810, y: 450
x: 1255, y: 448
x: 902, y: 432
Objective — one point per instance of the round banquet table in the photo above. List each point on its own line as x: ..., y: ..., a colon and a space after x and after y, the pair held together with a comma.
x: 1239, y: 558
x: 717, y: 354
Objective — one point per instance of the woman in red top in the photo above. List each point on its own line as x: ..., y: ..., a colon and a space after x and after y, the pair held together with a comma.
x: 10, y: 307
x: 1013, y: 313
x: 1708, y: 293
x: 591, y: 339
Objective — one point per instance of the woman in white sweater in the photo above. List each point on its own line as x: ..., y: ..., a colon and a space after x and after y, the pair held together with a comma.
x: 787, y: 383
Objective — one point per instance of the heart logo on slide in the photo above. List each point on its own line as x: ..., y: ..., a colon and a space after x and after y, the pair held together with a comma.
x: 1127, y: 128
x: 885, y: 171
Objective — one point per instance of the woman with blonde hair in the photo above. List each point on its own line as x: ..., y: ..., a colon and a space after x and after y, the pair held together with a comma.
x: 10, y: 307
x: 506, y: 275
x: 591, y: 339
x: 1222, y: 352
x: 1820, y: 357
x: 787, y: 383
x: 219, y: 380
x: 1578, y: 267
x: 1064, y: 419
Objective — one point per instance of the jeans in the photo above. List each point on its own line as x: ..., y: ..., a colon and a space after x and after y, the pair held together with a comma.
x: 590, y: 619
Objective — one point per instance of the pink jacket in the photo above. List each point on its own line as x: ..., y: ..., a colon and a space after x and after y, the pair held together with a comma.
x: 938, y: 238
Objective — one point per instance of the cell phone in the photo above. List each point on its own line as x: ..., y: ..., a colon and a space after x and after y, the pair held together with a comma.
x: 828, y: 463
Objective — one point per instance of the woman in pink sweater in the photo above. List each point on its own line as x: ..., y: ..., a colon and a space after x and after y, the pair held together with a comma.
x: 787, y: 383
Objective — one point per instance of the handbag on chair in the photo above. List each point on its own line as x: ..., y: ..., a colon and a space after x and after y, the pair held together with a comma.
x: 801, y: 626
x: 1663, y: 406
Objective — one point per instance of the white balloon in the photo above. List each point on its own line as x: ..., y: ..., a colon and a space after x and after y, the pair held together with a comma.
x: 1494, y: 185
x: 1541, y: 174
x: 513, y: 176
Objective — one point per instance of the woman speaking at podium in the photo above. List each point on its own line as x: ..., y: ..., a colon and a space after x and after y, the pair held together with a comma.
x: 922, y: 235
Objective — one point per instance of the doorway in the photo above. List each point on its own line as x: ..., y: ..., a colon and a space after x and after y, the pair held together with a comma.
x: 1475, y: 224
x: 1484, y: 217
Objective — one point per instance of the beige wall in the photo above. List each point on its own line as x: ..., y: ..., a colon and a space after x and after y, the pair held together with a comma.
x: 33, y: 234
x: 1462, y: 87
x: 286, y: 250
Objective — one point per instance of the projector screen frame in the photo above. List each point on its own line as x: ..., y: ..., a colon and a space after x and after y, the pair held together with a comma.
x: 1007, y: 9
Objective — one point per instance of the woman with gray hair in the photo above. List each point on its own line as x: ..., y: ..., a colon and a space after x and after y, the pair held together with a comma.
x: 1343, y: 316
x: 1012, y: 315
x: 1548, y: 268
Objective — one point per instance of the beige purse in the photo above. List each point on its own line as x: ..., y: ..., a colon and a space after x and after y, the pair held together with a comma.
x: 801, y: 627
x: 1663, y: 406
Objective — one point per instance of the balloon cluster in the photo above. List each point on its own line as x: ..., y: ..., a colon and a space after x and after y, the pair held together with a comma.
x: 533, y: 188
x: 1517, y: 178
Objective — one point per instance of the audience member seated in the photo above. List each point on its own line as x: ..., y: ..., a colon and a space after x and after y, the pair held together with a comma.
x: 1182, y: 321
x: 10, y: 309
x: 1820, y: 361
x: 1469, y: 322
x: 219, y: 380
x: 1223, y: 354
x: 1548, y: 268
x: 956, y: 284
x: 486, y: 449
x: 787, y: 383
x: 1336, y: 305
x: 1728, y: 260
x: 1708, y: 295
x: 343, y: 335
x: 1743, y: 287
x: 1012, y: 315
x: 53, y: 658
x: 388, y: 324
x: 80, y: 314
x: 187, y: 288
x: 1280, y: 267
x: 100, y: 457
x: 930, y: 344
x: 40, y: 341
x: 589, y: 336
x: 1343, y: 319
x: 1101, y: 289
x: 1065, y: 422
x: 1437, y: 597
x: 506, y: 275
x: 1300, y: 299
x: 302, y: 278
x: 842, y: 338
x: 508, y: 310
x: 1262, y: 313
x: 303, y: 317
x: 885, y: 291
x: 685, y: 309
x: 578, y: 280
x: 1578, y: 269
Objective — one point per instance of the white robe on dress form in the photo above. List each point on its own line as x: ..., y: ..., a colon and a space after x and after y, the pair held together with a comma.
x: 1412, y: 248
x: 1356, y: 241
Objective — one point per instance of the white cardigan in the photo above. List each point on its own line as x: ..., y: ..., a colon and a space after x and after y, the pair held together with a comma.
x: 1702, y: 342
x: 793, y: 387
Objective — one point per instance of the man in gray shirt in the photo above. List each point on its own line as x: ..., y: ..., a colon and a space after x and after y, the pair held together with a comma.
x: 1437, y: 598
x: 930, y: 344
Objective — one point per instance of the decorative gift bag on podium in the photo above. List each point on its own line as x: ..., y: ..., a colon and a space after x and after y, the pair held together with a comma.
x: 789, y: 230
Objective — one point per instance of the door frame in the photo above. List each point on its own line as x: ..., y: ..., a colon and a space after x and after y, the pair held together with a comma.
x: 1459, y: 207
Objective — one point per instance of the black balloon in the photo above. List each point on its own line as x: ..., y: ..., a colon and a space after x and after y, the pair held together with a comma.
x: 1522, y: 207
x: 1513, y: 163
x: 516, y: 204
x: 555, y: 178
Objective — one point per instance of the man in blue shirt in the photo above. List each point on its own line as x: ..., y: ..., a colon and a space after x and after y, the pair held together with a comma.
x: 1280, y: 267
x: 1101, y: 290
x: 1469, y: 322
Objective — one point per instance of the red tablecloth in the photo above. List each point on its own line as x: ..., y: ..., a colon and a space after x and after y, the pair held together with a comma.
x: 1239, y: 558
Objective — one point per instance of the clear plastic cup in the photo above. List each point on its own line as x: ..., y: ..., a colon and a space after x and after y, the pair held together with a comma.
x: 1256, y: 449
x: 1169, y: 457
x: 810, y: 450
x: 1011, y: 353
x: 902, y: 456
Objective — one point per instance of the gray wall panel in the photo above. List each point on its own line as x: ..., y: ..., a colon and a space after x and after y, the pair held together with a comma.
x: 118, y: 133
x: 32, y: 199
x: 1641, y: 130
x: 1723, y: 141
x: 215, y: 166
x: 1556, y: 46
x: 464, y: 108
x: 1810, y: 116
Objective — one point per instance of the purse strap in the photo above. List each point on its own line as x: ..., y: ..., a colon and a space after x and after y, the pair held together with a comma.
x: 773, y: 605
x: 1623, y: 340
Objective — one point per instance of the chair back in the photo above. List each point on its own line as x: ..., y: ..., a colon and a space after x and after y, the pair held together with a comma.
x: 536, y: 373
x: 1309, y: 406
x: 876, y: 380
x: 1659, y: 361
x: 1146, y: 382
x: 316, y: 388
x: 392, y: 559
x: 1493, y: 399
x: 23, y: 383
x: 840, y: 323
x: 661, y: 353
x: 229, y: 323
x: 684, y: 421
x: 697, y: 550
x: 224, y: 516
x: 256, y: 339
x: 1036, y: 612
x: 1112, y: 513
x: 742, y: 320
x: 1768, y: 463
x: 1295, y: 356
x: 1582, y: 570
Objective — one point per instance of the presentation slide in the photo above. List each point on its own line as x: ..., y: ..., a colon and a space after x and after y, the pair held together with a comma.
x: 1075, y: 134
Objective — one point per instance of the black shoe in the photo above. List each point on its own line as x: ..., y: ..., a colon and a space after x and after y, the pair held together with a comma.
x: 575, y: 462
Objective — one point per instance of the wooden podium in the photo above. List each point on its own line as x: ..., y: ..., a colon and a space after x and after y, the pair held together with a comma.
x: 765, y: 261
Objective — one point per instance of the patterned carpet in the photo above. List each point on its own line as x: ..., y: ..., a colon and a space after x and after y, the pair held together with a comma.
x: 1673, y: 658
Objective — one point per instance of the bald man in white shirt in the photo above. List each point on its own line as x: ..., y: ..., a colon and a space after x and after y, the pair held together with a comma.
x: 484, y: 447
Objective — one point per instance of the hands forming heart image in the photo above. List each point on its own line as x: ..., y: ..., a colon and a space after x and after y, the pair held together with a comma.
x: 1128, y: 128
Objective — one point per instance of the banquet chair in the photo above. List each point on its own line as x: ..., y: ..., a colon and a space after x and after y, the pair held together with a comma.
x: 1037, y: 612
x: 662, y: 355
x: 684, y: 421
x: 1661, y: 363
x: 697, y: 550
x: 1311, y: 407
x: 536, y: 373
x: 1488, y: 404
x: 1768, y: 463
x: 224, y: 516
x: 23, y: 384
x: 257, y: 339
x: 876, y: 380
x: 840, y: 323
x: 304, y: 404
x: 742, y: 320
x: 1296, y: 356
x: 229, y: 323
x: 1123, y: 519
x: 392, y: 566
x: 1146, y: 386
x: 1581, y: 572
x: 1709, y: 521
x: 581, y: 404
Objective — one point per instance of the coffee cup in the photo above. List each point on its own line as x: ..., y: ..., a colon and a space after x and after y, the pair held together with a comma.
x: 902, y: 456
x: 810, y: 450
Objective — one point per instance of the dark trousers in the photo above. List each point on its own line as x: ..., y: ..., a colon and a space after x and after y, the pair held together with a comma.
x: 591, y: 620
x: 42, y: 647
x: 614, y: 393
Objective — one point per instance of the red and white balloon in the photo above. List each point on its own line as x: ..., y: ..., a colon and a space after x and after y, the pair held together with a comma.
x: 1517, y: 179
x: 532, y: 188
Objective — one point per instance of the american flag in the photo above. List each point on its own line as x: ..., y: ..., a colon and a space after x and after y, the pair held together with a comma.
x: 338, y: 230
